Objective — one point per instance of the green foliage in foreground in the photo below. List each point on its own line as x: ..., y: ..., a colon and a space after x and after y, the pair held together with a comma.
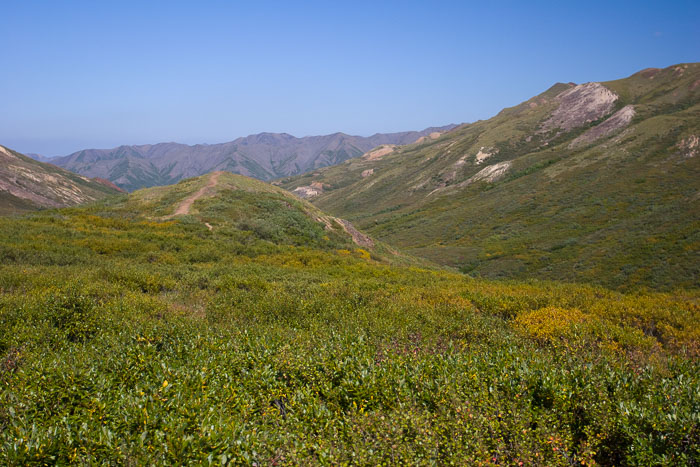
x: 129, y: 341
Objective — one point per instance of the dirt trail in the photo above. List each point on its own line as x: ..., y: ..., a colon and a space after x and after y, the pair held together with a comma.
x: 184, y: 207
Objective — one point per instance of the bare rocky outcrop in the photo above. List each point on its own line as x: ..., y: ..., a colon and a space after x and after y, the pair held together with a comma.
x: 690, y: 146
x: 379, y: 152
x: 484, y: 153
x: 310, y: 191
x: 618, y: 120
x: 367, y: 173
x: 306, y: 192
x: 490, y: 173
x: 579, y: 106
x: 7, y: 153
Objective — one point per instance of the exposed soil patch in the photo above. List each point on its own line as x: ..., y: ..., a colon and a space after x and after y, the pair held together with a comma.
x: 484, y: 153
x: 358, y: 237
x: 433, y: 135
x: 184, y: 207
x: 379, y: 152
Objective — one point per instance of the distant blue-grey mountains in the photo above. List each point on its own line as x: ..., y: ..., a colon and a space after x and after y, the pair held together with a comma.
x: 264, y: 156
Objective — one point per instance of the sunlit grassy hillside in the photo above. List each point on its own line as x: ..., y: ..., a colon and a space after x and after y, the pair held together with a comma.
x: 597, y: 183
x: 246, y: 332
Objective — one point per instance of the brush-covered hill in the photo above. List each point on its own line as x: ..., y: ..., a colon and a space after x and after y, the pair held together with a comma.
x: 598, y: 182
x: 222, y: 321
x: 263, y: 156
x: 247, y: 208
x: 27, y: 184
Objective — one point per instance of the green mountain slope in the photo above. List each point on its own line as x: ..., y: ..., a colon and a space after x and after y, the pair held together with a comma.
x: 597, y: 183
x: 224, y: 321
x: 26, y: 185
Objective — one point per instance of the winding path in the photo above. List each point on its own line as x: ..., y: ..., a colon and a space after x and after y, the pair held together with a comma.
x: 184, y: 207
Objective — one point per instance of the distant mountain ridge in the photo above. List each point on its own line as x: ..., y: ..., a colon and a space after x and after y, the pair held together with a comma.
x: 39, y: 157
x: 264, y: 156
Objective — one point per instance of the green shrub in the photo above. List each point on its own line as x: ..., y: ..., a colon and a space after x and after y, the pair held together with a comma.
x: 71, y: 311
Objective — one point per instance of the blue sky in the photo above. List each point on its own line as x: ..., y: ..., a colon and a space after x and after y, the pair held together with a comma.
x: 98, y: 74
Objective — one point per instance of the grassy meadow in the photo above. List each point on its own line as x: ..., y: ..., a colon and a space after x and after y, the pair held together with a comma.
x: 127, y: 338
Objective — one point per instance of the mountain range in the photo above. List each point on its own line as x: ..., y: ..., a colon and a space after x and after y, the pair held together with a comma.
x: 597, y: 182
x: 264, y: 156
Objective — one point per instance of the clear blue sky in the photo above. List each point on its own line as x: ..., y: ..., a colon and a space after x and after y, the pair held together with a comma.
x: 98, y: 74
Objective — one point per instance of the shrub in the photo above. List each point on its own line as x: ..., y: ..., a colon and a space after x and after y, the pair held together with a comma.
x: 71, y: 311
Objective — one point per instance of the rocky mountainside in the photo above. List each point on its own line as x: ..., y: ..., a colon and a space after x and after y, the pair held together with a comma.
x: 27, y: 184
x: 598, y: 182
x: 264, y: 156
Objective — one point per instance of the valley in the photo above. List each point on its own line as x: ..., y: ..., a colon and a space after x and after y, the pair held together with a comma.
x: 522, y: 290
x: 128, y: 335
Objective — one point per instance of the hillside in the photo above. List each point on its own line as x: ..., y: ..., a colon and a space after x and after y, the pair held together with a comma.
x: 243, y: 206
x: 598, y: 182
x: 263, y: 156
x: 26, y: 184
x: 223, y: 321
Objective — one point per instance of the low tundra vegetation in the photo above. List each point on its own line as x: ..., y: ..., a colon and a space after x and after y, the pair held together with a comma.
x: 133, y: 340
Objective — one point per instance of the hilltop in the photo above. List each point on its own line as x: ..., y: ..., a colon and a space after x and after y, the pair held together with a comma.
x: 595, y: 182
x: 241, y: 205
x: 264, y: 156
x: 27, y: 184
